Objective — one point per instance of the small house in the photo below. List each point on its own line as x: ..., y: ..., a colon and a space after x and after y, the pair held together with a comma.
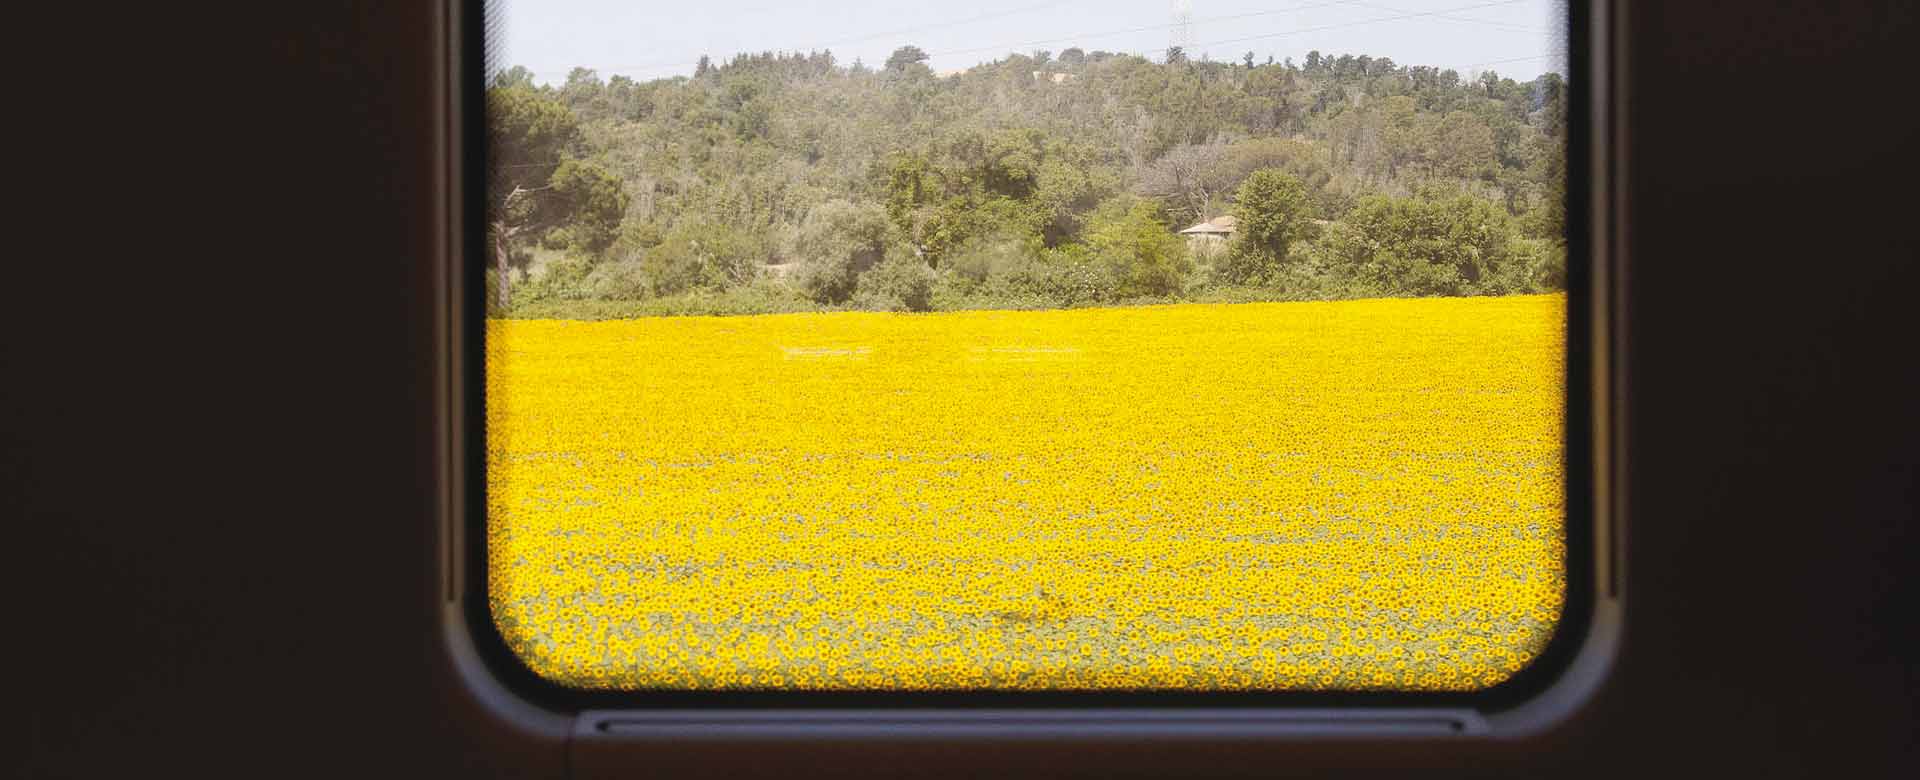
x: 1210, y: 234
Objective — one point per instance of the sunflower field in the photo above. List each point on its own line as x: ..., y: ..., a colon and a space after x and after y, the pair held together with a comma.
x: 1355, y: 495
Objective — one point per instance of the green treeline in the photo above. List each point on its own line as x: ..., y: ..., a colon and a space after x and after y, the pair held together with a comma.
x: 790, y: 182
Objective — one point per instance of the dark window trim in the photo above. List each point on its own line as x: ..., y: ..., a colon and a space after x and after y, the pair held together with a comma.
x: 1583, y: 637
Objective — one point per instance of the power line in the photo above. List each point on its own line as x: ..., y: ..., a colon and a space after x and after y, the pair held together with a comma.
x: 1549, y: 55
x: 863, y: 38
x: 1232, y: 17
x: 1010, y: 46
x: 1148, y: 28
x: 1358, y: 23
x: 1508, y: 26
x: 924, y: 28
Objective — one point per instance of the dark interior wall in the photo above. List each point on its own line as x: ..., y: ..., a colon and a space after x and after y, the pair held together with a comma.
x: 216, y: 397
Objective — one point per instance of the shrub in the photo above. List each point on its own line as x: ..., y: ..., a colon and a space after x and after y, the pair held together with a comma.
x: 1547, y: 266
x: 491, y: 281
x: 758, y: 297
x: 624, y: 280
x: 563, y: 279
x: 899, y: 283
x: 1454, y: 245
x: 839, y: 242
x: 1069, y: 279
x: 1142, y: 254
x: 702, y: 254
x: 1271, y: 213
x: 999, y: 255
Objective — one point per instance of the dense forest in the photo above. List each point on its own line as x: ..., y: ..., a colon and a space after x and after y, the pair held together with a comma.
x: 792, y: 182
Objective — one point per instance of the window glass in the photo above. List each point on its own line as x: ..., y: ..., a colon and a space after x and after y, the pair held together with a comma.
x: 1088, y: 344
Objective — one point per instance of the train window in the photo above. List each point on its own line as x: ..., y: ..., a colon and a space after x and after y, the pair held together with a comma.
x: 1226, y: 348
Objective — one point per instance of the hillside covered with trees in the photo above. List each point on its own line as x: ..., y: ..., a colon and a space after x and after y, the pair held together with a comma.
x: 793, y: 182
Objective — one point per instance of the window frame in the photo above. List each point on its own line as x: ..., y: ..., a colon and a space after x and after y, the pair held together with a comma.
x: 1572, y: 665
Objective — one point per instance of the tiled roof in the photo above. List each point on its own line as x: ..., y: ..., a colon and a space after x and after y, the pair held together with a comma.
x: 1220, y: 224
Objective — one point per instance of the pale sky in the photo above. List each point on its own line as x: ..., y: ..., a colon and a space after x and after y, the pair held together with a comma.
x: 646, y: 40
